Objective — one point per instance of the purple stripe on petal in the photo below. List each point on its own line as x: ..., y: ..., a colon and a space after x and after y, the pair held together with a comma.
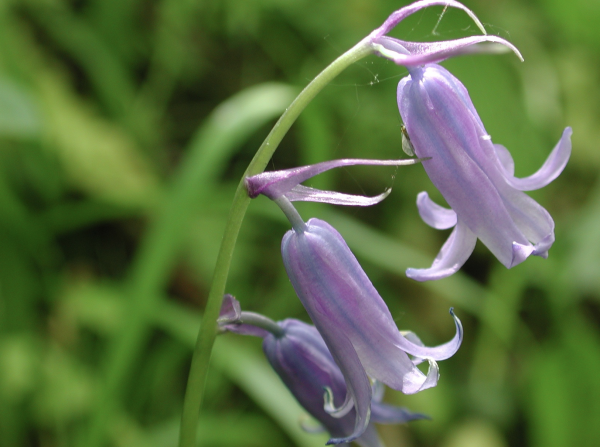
x: 433, y: 214
x: 454, y: 253
x: 531, y: 218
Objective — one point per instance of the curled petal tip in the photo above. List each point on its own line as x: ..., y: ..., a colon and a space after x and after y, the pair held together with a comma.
x: 433, y: 214
x: 335, y: 441
x: 550, y: 170
x: 402, y: 13
x: 520, y: 253
x: 307, y: 194
x: 330, y: 408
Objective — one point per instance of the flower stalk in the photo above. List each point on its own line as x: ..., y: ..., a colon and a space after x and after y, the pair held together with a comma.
x: 206, y: 336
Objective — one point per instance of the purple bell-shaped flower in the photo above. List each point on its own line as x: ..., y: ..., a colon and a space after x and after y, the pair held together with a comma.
x: 346, y: 309
x: 298, y: 354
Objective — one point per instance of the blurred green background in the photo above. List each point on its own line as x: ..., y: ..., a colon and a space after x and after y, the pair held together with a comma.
x: 125, y: 126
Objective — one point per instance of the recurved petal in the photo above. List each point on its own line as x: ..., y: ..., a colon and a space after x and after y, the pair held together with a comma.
x: 402, y: 13
x: 433, y: 214
x: 505, y: 159
x: 390, y: 414
x: 440, y: 352
x: 419, y: 53
x: 454, y: 253
x: 308, y: 194
x: 552, y: 167
x: 357, y: 383
x: 532, y: 219
x: 520, y: 253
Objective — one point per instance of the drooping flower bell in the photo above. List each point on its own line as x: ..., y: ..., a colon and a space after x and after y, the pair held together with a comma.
x: 475, y: 176
x: 346, y: 309
x: 300, y: 357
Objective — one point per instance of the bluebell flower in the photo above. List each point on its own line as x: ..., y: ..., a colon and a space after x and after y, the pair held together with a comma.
x: 346, y: 309
x: 353, y: 319
x: 475, y: 176
x: 300, y: 357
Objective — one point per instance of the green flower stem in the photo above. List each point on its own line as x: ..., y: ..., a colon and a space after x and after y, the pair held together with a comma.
x: 262, y: 322
x: 208, y: 330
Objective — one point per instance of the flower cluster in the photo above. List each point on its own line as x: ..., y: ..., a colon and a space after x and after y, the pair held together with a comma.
x: 354, y: 346
x: 298, y: 354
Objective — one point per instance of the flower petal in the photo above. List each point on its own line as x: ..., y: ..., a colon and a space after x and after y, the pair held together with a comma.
x: 275, y: 184
x: 377, y: 390
x: 433, y: 214
x: 308, y: 194
x: 344, y: 305
x: 552, y: 167
x: 231, y: 310
x: 532, y: 219
x: 409, y: 54
x: 305, y: 365
x: 357, y: 383
x: 402, y: 13
x: 443, y: 125
x: 390, y: 414
x: 505, y: 158
x: 440, y: 352
x: 417, y: 381
x: 454, y: 253
x: 520, y: 253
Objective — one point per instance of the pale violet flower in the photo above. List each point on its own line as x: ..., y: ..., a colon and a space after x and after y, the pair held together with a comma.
x: 300, y: 357
x: 475, y: 176
x: 346, y: 309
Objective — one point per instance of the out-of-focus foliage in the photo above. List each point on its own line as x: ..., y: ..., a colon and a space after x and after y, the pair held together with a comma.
x: 124, y: 129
